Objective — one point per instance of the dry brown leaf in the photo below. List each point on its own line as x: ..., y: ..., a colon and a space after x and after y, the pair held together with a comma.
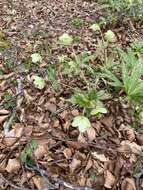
x: 128, y: 184
x: 128, y: 147
x: 76, y: 144
x: 139, y: 138
x: 40, y: 151
x: 4, y: 112
x: 74, y: 164
x: 88, y: 165
x: 108, y: 124
x: 3, y: 118
x: 109, y: 179
x: 2, y: 165
x: 11, y: 137
x: 91, y: 134
x: 128, y: 132
x: 50, y: 107
x: 67, y: 152
x: 100, y: 157
x: 81, y: 138
x: 75, y: 112
x: 82, y: 181
x: 13, y: 165
x: 39, y: 182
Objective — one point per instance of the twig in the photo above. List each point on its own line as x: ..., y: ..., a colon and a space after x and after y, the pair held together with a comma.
x: 58, y: 182
x: 12, y: 185
x: 8, y: 123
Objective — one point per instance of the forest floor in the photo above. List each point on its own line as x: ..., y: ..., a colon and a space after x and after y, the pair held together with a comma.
x: 40, y: 146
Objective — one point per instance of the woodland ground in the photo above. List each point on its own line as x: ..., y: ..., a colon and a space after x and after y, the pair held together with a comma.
x: 39, y: 148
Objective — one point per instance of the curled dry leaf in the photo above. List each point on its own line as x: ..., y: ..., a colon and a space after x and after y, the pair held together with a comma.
x: 128, y: 147
x: 67, y: 152
x: 11, y: 137
x: 128, y: 184
x: 39, y: 182
x: 100, y: 157
x: 74, y: 164
x: 91, y: 134
x: 3, y: 118
x: 128, y: 132
x: 109, y: 179
x: 139, y: 138
x: 4, y: 112
x: 40, y: 151
x: 13, y: 165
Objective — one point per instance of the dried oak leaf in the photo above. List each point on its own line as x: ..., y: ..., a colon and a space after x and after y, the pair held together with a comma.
x: 40, y: 151
x: 100, y: 157
x: 77, y: 145
x: 74, y: 164
x: 128, y: 132
x: 12, y: 136
x: 109, y: 179
x: 39, y: 182
x: 13, y: 165
x: 139, y: 138
x: 91, y: 134
x: 3, y: 115
x: 67, y: 152
x: 128, y: 184
x: 128, y: 148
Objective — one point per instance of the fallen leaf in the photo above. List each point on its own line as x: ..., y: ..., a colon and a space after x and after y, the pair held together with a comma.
x: 13, y: 165
x: 91, y: 134
x: 12, y: 136
x: 4, y: 112
x: 88, y: 165
x: 76, y: 144
x: 109, y: 179
x: 128, y: 132
x: 100, y: 157
x: 50, y: 107
x: 3, y: 118
x: 139, y: 138
x: 75, y: 112
x: 39, y: 182
x: 74, y: 165
x: 40, y: 151
x: 67, y: 152
x: 128, y: 147
x: 128, y: 184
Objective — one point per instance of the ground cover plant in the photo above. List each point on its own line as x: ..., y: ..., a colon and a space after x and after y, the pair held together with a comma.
x: 71, y: 95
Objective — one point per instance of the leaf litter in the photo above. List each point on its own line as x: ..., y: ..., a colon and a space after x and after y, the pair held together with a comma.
x: 108, y: 154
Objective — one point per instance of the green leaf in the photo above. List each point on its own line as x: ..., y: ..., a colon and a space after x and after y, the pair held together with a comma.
x: 95, y: 27
x: 38, y: 82
x: 36, y: 57
x: 98, y: 110
x: 65, y: 39
x: 82, y: 123
x: 110, y: 36
x: 27, y: 153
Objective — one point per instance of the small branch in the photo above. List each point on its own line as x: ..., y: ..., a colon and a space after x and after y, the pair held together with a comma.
x: 12, y: 185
